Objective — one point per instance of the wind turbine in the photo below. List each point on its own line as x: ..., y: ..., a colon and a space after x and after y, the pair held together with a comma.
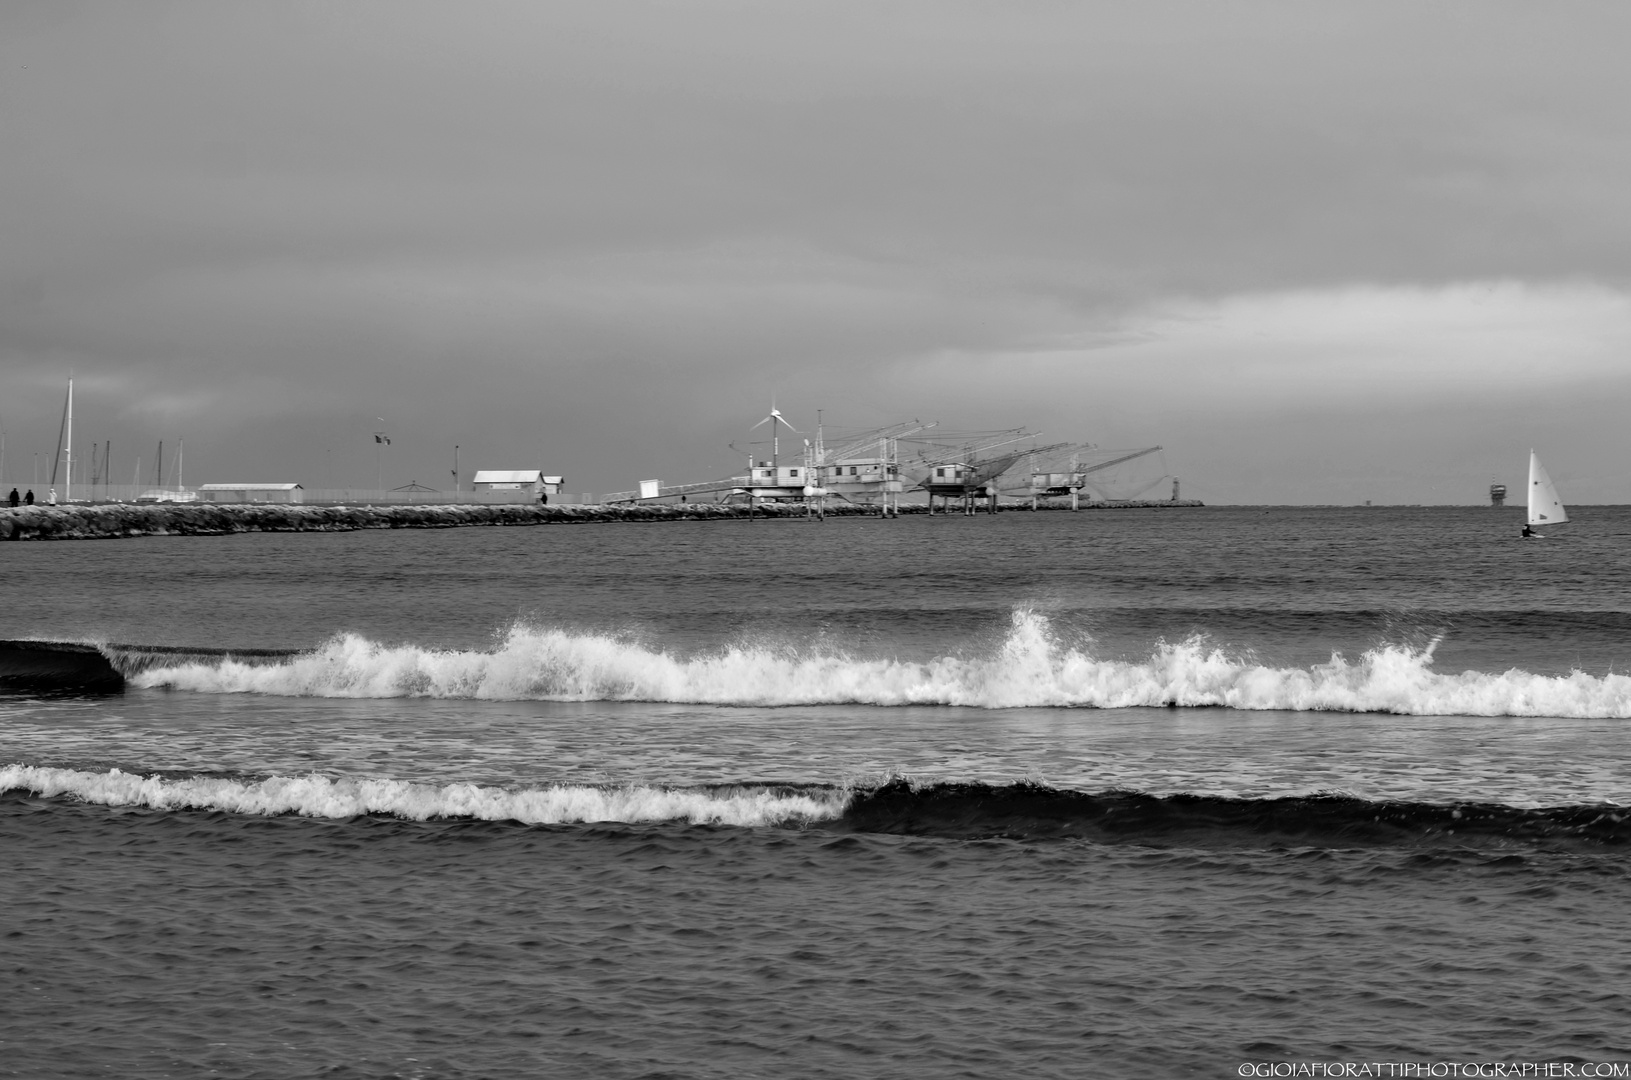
x: 773, y: 420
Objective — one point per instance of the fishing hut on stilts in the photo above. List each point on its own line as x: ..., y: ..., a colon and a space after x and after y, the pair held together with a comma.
x: 1069, y: 469
x: 771, y: 481
x: 864, y: 468
x: 969, y: 469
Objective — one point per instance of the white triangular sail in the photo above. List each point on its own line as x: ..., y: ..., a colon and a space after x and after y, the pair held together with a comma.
x: 1545, y: 508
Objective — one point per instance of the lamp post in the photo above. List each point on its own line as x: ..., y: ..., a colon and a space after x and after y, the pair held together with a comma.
x: 455, y: 468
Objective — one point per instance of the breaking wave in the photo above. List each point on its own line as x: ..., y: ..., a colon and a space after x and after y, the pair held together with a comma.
x: 321, y: 797
x: 1030, y: 668
x: 1023, y: 811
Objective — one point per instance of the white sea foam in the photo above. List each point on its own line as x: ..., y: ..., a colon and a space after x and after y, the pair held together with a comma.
x: 1030, y: 668
x: 322, y: 797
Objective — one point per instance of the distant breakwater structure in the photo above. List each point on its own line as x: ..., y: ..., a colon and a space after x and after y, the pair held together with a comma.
x: 104, y: 521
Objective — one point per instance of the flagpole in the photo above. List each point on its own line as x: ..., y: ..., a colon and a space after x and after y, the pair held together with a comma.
x: 380, y: 439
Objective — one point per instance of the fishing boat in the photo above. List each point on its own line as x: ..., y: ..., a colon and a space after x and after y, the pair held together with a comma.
x: 1545, y: 508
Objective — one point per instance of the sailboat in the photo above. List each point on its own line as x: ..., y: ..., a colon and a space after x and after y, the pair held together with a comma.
x: 1545, y: 508
x: 162, y: 494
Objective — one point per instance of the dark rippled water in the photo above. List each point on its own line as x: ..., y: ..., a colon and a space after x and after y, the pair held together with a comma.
x: 1173, y: 791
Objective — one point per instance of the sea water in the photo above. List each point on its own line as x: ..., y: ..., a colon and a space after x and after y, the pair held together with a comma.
x: 1115, y: 793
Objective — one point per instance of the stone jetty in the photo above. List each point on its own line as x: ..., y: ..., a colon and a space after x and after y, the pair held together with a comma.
x: 101, y: 521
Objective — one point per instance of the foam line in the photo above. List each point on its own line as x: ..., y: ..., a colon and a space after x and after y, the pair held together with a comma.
x: 322, y: 797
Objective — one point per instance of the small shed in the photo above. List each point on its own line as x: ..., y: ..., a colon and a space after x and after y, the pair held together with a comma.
x: 252, y: 493
x: 532, y: 480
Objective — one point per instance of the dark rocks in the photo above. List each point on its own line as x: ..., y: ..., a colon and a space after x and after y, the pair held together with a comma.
x: 107, y: 520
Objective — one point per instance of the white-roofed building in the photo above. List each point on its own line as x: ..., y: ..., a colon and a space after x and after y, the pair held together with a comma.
x: 251, y: 493
x: 532, y: 480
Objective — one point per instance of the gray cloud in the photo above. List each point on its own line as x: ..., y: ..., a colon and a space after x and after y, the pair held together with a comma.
x: 605, y: 235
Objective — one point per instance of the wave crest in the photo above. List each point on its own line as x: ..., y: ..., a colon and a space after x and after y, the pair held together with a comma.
x: 321, y: 797
x: 1029, y: 669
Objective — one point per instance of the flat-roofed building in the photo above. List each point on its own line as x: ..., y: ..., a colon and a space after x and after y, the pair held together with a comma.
x: 251, y: 493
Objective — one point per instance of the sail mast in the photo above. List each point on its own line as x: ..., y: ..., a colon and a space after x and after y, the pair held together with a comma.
x: 68, y: 490
x: 62, y: 428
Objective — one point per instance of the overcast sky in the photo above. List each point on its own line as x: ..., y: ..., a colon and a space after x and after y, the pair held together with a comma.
x: 1322, y: 253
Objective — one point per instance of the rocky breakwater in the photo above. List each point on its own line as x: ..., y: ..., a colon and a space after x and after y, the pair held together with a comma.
x: 100, y: 521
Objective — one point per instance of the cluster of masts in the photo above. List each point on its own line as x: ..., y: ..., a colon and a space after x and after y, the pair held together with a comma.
x: 99, y: 470
x: 876, y: 467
